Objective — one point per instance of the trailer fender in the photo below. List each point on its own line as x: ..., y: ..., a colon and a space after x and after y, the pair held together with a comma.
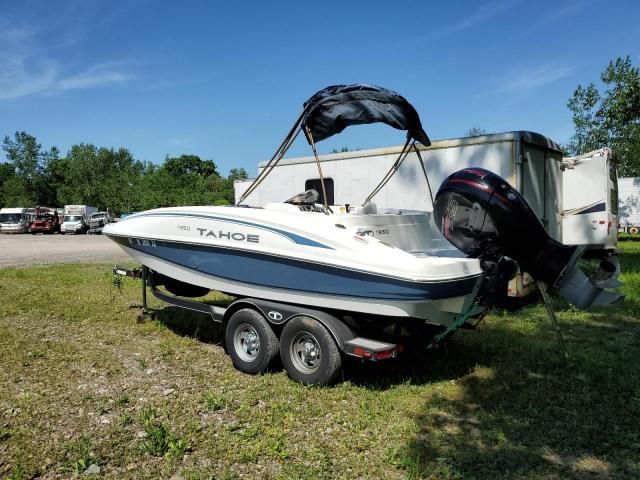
x: 279, y: 313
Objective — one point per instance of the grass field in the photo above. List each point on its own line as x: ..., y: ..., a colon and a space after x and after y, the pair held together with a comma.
x: 82, y: 384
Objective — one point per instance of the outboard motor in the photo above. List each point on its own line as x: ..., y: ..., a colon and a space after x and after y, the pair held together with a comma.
x: 485, y: 217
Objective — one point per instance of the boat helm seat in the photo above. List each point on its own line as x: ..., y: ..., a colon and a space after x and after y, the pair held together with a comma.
x: 310, y: 197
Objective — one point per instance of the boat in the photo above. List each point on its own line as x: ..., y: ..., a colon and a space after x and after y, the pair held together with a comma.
x: 353, y: 261
x: 303, y: 251
x: 286, y: 254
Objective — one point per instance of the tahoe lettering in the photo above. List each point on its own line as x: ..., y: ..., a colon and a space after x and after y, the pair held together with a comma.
x: 237, y: 236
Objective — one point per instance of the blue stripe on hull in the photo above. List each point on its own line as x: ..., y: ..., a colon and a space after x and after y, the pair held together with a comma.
x: 290, y: 274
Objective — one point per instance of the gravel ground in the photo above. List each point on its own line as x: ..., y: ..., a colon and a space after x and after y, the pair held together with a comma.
x: 25, y: 249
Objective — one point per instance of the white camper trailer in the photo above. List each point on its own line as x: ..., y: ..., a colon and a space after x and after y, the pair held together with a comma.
x: 629, y: 205
x: 590, y: 200
x: 529, y: 161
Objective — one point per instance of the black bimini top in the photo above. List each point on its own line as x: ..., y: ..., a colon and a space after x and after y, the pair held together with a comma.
x: 334, y: 108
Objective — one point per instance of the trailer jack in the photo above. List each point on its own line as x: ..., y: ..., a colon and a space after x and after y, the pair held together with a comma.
x: 139, y: 273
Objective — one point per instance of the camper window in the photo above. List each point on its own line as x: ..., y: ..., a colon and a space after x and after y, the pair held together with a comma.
x: 314, y: 183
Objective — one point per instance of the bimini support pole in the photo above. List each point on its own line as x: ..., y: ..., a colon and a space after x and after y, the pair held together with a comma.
x: 424, y: 171
x: 275, y: 159
x: 394, y: 168
x: 315, y: 154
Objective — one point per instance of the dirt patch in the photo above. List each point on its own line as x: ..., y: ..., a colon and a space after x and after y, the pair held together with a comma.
x: 24, y: 250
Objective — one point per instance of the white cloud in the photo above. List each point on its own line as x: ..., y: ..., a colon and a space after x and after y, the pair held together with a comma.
x: 93, y: 77
x: 19, y: 79
x: 28, y: 68
x: 528, y: 80
x: 555, y: 14
x: 481, y: 15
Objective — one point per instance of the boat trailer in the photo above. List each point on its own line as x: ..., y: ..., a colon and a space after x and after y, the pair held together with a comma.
x: 310, y: 341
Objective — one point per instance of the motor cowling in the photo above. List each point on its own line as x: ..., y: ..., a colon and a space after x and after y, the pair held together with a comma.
x: 485, y: 217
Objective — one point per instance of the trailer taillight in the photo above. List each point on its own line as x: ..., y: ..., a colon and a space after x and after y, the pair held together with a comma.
x: 385, y: 354
x: 361, y: 352
x: 372, y: 355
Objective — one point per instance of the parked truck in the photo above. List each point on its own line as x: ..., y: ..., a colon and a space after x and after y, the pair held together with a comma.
x: 629, y: 206
x: 590, y: 200
x: 76, y: 218
x: 98, y: 221
x: 16, y: 220
x: 45, y: 220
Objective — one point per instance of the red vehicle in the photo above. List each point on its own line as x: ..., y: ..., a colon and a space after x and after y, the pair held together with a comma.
x: 46, y: 220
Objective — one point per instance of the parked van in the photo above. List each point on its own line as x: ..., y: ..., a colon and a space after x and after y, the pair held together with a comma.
x: 16, y: 220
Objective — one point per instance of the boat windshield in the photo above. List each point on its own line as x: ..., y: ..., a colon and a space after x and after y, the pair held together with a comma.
x: 10, y: 217
x: 73, y: 218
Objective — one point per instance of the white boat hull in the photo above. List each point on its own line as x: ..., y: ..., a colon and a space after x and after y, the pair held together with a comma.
x: 234, y: 250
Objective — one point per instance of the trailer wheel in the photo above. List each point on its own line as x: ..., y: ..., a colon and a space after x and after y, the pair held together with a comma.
x: 309, y: 353
x: 250, y: 341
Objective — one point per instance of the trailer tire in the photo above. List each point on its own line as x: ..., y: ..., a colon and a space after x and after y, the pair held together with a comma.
x: 250, y: 341
x: 634, y: 230
x: 309, y: 353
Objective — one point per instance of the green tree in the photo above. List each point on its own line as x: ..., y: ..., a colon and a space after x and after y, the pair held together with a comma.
x: 81, y: 185
x: 190, y: 164
x: 14, y: 194
x: 343, y: 150
x: 6, y: 172
x: 29, y: 163
x: 237, y: 174
x: 49, y: 177
x: 183, y: 180
x: 102, y: 177
x: 475, y: 131
x: 609, y: 118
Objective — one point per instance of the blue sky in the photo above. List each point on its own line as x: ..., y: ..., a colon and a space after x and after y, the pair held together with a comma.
x: 225, y: 80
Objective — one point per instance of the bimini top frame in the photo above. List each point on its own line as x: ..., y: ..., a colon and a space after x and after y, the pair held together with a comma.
x: 333, y: 109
